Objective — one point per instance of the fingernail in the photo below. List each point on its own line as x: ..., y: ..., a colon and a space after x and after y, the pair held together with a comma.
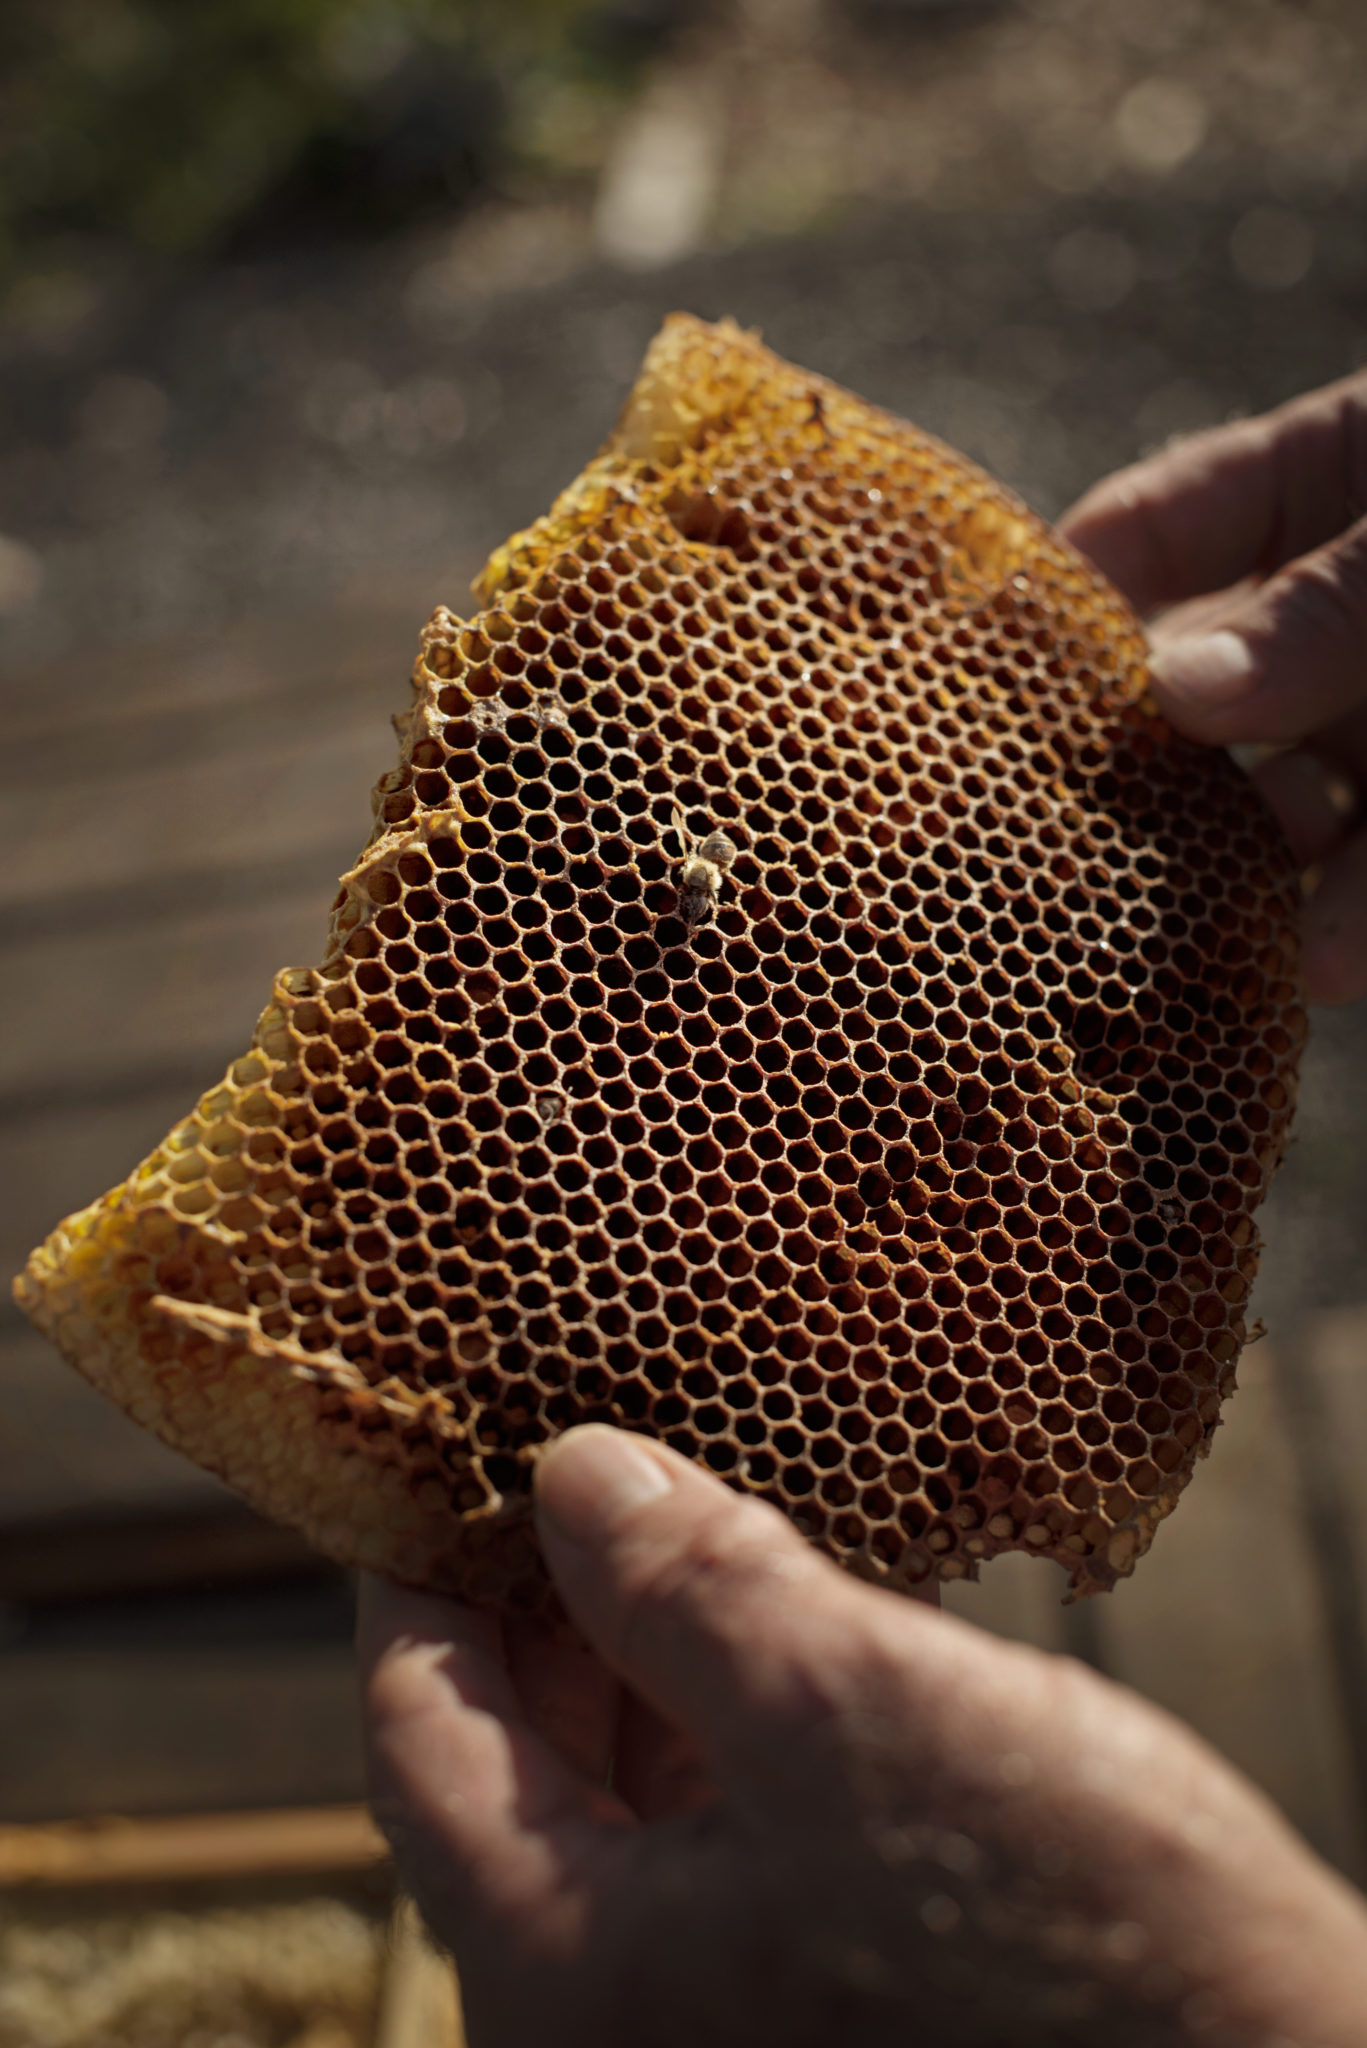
x: 591, y: 1477
x: 1210, y: 668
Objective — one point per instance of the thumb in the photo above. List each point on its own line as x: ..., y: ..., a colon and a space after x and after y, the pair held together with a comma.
x: 708, y: 1604
x: 1289, y: 657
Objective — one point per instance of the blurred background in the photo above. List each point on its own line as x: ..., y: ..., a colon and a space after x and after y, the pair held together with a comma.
x: 304, y: 304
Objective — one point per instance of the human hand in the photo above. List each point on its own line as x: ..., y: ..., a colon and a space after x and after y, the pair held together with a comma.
x: 834, y: 1817
x: 1250, y: 544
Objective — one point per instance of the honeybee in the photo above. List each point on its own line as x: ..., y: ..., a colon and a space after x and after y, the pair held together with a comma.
x: 702, y: 869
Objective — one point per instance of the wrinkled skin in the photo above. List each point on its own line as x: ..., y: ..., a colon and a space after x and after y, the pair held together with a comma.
x: 834, y: 1815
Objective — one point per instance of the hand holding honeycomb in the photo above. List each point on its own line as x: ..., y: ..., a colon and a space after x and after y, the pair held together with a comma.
x: 799, y: 1000
x: 1247, y: 544
x: 757, y: 1804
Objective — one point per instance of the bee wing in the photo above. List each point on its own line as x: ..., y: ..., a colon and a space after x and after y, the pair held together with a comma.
x: 680, y: 831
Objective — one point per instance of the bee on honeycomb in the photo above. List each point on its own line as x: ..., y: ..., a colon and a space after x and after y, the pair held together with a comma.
x: 705, y: 863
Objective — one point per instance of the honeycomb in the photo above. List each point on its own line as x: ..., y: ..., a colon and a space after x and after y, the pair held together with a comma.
x: 798, y: 1000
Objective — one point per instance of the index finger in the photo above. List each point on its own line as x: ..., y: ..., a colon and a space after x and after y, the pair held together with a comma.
x: 487, y: 1820
x: 1235, y: 501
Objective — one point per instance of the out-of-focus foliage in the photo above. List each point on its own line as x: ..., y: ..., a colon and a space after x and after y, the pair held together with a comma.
x: 180, y: 125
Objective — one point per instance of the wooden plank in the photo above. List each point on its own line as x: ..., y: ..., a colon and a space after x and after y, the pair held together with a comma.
x: 1224, y: 1623
x: 64, y: 1449
x: 161, y: 1731
x: 419, y: 1996
x: 357, y: 648
x: 180, y: 995
x: 191, y: 1847
x: 189, y: 887
x: 45, y: 1564
x: 281, y: 795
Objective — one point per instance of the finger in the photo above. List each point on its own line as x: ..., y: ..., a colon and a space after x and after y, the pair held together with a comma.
x: 1334, y: 948
x: 566, y: 1692
x: 1307, y: 799
x: 485, y: 1819
x: 1291, y: 659
x: 1342, y: 747
x: 1316, y: 788
x: 708, y: 1604
x: 1234, y: 501
x: 657, y: 1769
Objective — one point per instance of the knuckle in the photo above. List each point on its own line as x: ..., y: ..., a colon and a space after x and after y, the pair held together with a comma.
x: 1150, y: 491
x: 1322, y: 600
x: 711, y: 1573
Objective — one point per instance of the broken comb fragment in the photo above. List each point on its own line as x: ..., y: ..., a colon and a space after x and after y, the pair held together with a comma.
x: 798, y: 1000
